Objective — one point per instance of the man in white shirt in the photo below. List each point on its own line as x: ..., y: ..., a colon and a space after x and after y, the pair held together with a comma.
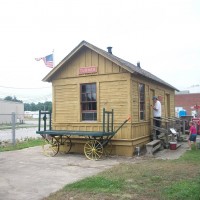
x: 157, y: 113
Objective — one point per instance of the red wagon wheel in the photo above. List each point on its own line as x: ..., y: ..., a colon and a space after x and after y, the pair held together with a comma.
x: 93, y: 150
x: 50, y: 146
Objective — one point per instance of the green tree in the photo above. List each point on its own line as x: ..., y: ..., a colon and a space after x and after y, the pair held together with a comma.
x: 46, y: 106
x: 9, y: 98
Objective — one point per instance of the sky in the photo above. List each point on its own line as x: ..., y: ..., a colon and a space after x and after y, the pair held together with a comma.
x: 164, y: 36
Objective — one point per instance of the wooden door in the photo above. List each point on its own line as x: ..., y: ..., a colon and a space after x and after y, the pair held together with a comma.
x: 167, y: 105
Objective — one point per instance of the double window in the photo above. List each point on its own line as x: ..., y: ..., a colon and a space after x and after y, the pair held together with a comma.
x: 88, y: 102
x: 142, y: 101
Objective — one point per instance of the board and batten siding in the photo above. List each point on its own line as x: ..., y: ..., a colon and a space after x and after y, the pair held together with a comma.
x: 141, y: 129
x: 88, y: 58
x: 65, y: 103
x: 117, y: 89
x: 114, y: 95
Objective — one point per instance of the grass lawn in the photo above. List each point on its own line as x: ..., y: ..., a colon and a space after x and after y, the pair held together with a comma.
x: 29, y: 142
x: 150, y: 179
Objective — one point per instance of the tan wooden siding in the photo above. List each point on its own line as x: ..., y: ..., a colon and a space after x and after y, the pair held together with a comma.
x: 117, y: 89
x: 79, y: 126
x: 135, y: 106
x: 88, y: 58
x: 159, y: 91
x: 66, y: 103
x: 140, y: 130
x: 114, y: 95
x: 172, y: 104
x: 94, y: 59
x: 111, y: 94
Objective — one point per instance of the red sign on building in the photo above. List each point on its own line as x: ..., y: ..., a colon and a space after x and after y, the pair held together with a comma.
x: 88, y: 70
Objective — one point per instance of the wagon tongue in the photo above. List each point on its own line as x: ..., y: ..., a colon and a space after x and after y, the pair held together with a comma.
x: 128, y: 119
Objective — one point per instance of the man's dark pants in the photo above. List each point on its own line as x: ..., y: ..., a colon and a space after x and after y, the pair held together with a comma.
x: 157, y: 123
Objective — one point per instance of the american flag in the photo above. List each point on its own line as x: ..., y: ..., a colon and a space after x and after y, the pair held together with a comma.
x: 48, y: 60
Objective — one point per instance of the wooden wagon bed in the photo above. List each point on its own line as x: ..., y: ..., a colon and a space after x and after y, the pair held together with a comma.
x: 96, y: 143
x: 76, y: 133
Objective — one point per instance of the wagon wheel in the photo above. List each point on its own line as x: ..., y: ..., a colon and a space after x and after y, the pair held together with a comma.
x: 107, y: 150
x: 50, y: 146
x: 65, y: 144
x: 93, y: 149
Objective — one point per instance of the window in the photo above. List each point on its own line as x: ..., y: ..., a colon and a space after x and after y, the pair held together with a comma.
x: 88, y: 102
x: 142, y: 101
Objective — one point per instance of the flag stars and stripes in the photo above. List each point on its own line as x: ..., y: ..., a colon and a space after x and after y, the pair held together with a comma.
x: 48, y: 60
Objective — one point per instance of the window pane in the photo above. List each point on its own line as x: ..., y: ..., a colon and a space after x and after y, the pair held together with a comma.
x: 88, y: 101
x: 142, y: 106
x: 89, y: 106
x: 142, y: 115
x: 141, y: 88
x: 83, y: 97
x: 89, y: 116
x: 86, y: 116
x: 93, y: 96
x: 94, y: 106
x: 142, y: 101
x: 88, y: 88
x: 93, y: 88
x: 89, y: 97
x: 142, y: 98
x: 83, y: 88
x: 84, y: 106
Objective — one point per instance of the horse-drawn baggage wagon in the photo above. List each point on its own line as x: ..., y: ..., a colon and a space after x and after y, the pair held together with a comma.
x: 97, y: 143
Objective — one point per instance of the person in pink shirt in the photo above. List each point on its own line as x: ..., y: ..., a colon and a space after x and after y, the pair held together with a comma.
x: 192, y: 134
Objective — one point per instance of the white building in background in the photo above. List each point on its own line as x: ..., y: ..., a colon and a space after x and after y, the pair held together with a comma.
x: 31, y: 114
x: 6, y: 110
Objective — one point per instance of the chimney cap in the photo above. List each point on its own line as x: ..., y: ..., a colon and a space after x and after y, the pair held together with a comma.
x: 138, y: 64
x: 109, y: 50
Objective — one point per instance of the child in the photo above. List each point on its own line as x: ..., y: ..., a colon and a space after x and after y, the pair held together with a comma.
x: 192, y: 135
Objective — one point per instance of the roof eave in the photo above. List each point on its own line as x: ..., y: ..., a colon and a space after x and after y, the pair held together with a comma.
x: 114, y: 59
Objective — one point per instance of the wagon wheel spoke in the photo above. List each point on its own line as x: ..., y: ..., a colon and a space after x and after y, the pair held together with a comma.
x: 65, y: 144
x: 50, y: 146
x: 93, y: 150
x: 107, y: 150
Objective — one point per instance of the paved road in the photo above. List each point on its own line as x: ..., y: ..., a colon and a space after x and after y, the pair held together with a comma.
x: 21, y: 133
x: 28, y: 174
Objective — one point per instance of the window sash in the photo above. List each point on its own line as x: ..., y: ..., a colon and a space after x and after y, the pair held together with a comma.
x: 88, y: 102
x: 142, y: 101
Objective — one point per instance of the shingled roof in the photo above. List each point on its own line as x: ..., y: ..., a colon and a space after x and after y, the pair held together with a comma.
x: 122, y: 63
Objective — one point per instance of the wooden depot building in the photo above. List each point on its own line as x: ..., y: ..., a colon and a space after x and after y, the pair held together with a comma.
x: 89, y: 79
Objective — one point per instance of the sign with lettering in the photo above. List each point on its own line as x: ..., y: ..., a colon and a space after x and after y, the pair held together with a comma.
x: 88, y: 70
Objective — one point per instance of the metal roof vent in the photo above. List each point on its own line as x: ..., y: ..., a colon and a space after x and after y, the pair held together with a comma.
x: 138, y: 64
x: 109, y: 50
